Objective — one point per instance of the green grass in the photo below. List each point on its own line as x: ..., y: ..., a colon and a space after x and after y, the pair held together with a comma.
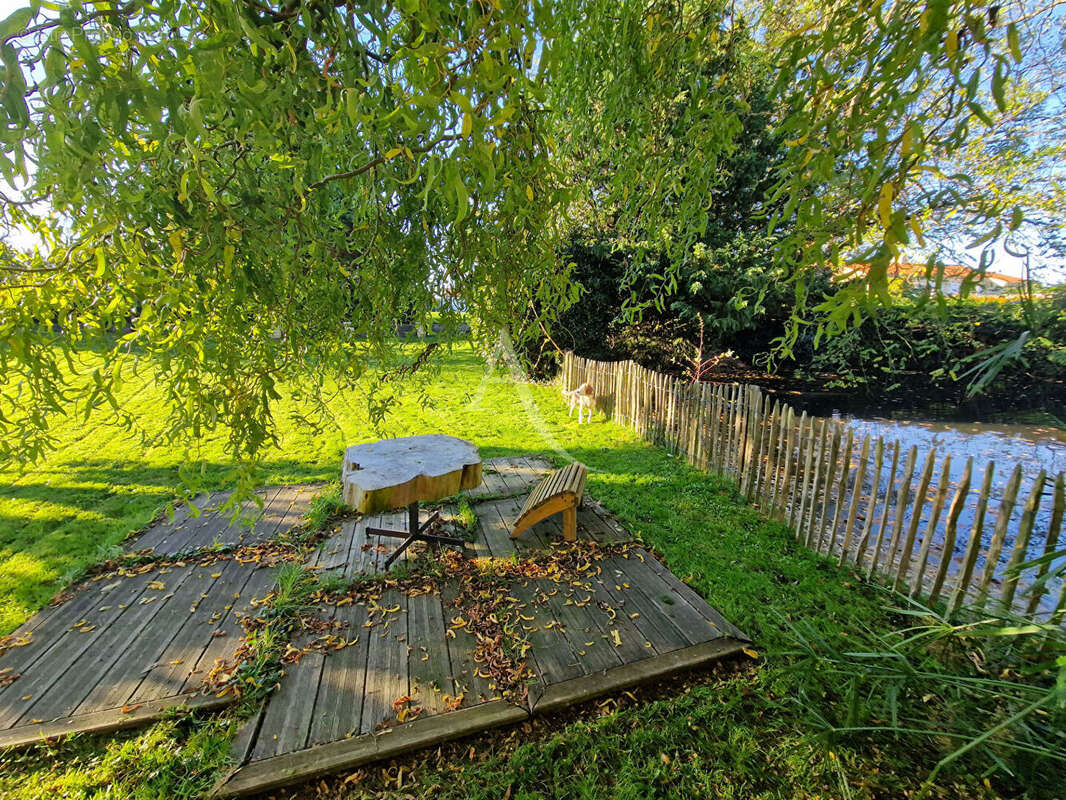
x: 742, y: 734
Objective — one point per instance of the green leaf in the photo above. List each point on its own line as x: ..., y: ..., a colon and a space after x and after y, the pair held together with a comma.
x: 462, y: 199
x: 16, y: 22
x: 1013, y: 43
x: 998, y: 81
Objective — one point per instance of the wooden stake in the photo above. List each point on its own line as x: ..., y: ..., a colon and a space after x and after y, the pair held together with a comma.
x: 871, y: 509
x: 950, y: 531
x: 883, y: 526
x: 973, y: 548
x: 781, y: 489
x: 842, y: 488
x: 1021, y: 543
x: 1058, y: 503
x: 900, y: 511
x: 999, y: 534
x: 856, y: 495
x: 930, y: 528
x: 814, y: 456
x: 827, y: 484
x: 916, y: 518
x: 815, y: 483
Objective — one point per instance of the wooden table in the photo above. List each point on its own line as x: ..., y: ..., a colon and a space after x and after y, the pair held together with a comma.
x: 393, y: 473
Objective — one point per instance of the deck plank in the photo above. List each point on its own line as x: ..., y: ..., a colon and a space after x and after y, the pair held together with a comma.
x: 656, y: 628
x: 694, y: 599
x: 128, y: 671
x: 229, y: 632
x: 496, y: 535
x: 287, y: 719
x: 555, y: 660
x: 664, y: 596
x: 120, y: 636
x: 428, y: 660
x: 45, y: 628
x: 463, y: 679
x: 64, y: 647
x: 589, y: 645
x: 192, y: 633
x: 386, y: 669
x: 339, y: 703
x: 164, y: 527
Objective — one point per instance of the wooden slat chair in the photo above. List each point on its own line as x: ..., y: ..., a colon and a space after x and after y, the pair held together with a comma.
x: 560, y: 491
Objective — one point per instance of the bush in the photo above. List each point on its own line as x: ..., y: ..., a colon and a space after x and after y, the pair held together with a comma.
x: 915, y: 345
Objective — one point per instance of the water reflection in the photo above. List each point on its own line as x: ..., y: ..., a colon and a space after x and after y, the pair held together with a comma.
x: 1005, y: 445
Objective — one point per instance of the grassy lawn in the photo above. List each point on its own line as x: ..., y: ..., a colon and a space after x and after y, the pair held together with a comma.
x: 747, y: 731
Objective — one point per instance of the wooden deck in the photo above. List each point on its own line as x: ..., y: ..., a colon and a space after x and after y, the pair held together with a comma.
x: 123, y: 648
x: 406, y: 670
x: 283, y: 507
x: 628, y: 621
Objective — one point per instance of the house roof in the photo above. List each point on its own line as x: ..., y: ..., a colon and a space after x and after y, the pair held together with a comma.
x: 904, y: 269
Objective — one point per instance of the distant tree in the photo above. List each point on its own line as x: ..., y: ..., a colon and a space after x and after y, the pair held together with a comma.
x: 728, y: 288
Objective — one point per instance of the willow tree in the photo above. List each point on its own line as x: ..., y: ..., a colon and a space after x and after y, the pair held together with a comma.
x: 252, y: 193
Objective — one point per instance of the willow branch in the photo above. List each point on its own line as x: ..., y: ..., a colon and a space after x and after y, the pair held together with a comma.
x: 353, y: 173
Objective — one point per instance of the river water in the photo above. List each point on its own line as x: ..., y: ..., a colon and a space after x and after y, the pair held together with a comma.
x: 1036, y: 444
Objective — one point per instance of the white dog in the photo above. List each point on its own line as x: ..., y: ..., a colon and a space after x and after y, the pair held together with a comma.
x: 581, y: 398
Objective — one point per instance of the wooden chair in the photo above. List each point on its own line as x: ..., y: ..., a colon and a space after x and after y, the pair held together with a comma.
x: 560, y: 491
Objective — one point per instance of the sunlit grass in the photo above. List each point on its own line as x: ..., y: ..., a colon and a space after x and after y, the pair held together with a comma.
x: 744, y: 735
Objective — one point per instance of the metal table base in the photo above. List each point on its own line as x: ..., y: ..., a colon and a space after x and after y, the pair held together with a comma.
x: 415, y: 533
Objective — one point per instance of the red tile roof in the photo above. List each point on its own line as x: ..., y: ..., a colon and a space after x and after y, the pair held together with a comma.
x: 903, y: 269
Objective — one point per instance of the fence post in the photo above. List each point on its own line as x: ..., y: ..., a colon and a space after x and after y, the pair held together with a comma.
x: 871, y: 508
x: 916, y: 519
x: 814, y: 485
x: 969, y: 561
x: 950, y: 531
x: 793, y: 484
x: 930, y: 528
x: 814, y: 442
x: 827, y: 485
x: 842, y: 488
x: 1058, y: 503
x: 999, y: 533
x: 856, y: 494
x: 882, y: 526
x: 1021, y: 542
x: 785, y: 441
